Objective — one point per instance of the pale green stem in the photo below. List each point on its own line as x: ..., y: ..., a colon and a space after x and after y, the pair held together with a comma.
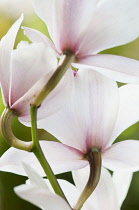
x: 6, y: 131
x: 36, y: 149
x: 94, y: 158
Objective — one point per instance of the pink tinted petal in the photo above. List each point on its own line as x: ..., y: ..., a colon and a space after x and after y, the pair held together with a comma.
x: 66, y: 20
x: 29, y: 64
x: 122, y: 156
x: 22, y: 106
x: 61, y: 158
x: 42, y: 198
x: 128, y: 109
x: 54, y: 102
x: 37, y: 36
x: 84, y: 122
x: 122, y: 181
x: 114, y: 23
x: 104, y: 196
x: 6, y: 47
x: 115, y: 67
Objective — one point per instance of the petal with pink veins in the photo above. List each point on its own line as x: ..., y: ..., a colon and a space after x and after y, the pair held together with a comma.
x: 29, y: 64
x: 114, y: 23
x: 6, y: 47
x: 66, y: 20
x: 51, y: 104
x: 60, y: 157
x: 84, y: 122
x: 115, y: 67
x: 36, y: 36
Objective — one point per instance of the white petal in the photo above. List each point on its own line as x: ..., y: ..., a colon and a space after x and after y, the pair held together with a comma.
x: 54, y: 102
x: 41, y: 197
x: 34, y: 178
x: 114, y: 23
x: 104, y: 196
x: 60, y: 157
x: 71, y: 192
x: 6, y: 47
x: 115, y: 67
x: 37, y: 36
x: 29, y: 64
x: 122, y: 182
x: 128, y: 109
x: 66, y: 20
x: 12, y: 159
x: 122, y: 156
x: 84, y: 122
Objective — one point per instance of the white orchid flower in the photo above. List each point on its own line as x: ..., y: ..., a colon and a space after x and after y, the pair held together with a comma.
x: 39, y: 192
x: 97, y: 112
x: 23, y: 73
x: 87, y: 27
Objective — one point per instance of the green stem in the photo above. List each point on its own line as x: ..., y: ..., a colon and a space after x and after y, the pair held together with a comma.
x: 64, y: 64
x: 6, y: 131
x: 94, y: 158
x: 36, y: 149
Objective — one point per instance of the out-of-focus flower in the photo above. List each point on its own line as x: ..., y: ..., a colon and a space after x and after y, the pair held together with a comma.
x: 97, y: 112
x: 39, y: 192
x: 23, y: 73
x: 86, y: 28
x: 14, y: 8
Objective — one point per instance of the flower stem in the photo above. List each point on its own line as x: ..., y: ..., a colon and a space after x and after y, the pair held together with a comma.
x: 36, y: 149
x: 64, y: 64
x: 6, y: 131
x: 94, y: 158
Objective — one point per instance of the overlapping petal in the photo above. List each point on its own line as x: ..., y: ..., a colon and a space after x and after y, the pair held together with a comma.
x: 84, y: 122
x: 66, y: 20
x: 104, y: 196
x: 6, y: 47
x: 28, y: 65
x: 37, y: 36
x: 115, y: 67
x: 61, y: 158
x: 92, y: 25
x: 122, y: 156
x: 128, y: 109
x: 113, y: 23
x: 38, y: 193
x: 122, y: 181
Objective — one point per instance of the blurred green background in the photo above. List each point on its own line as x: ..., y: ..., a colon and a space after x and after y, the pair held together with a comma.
x: 8, y: 199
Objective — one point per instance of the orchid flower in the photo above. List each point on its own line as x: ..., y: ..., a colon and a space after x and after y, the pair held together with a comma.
x: 87, y: 27
x: 23, y: 74
x: 24, y: 71
x: 39, y: 192
x: 97, y: 112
